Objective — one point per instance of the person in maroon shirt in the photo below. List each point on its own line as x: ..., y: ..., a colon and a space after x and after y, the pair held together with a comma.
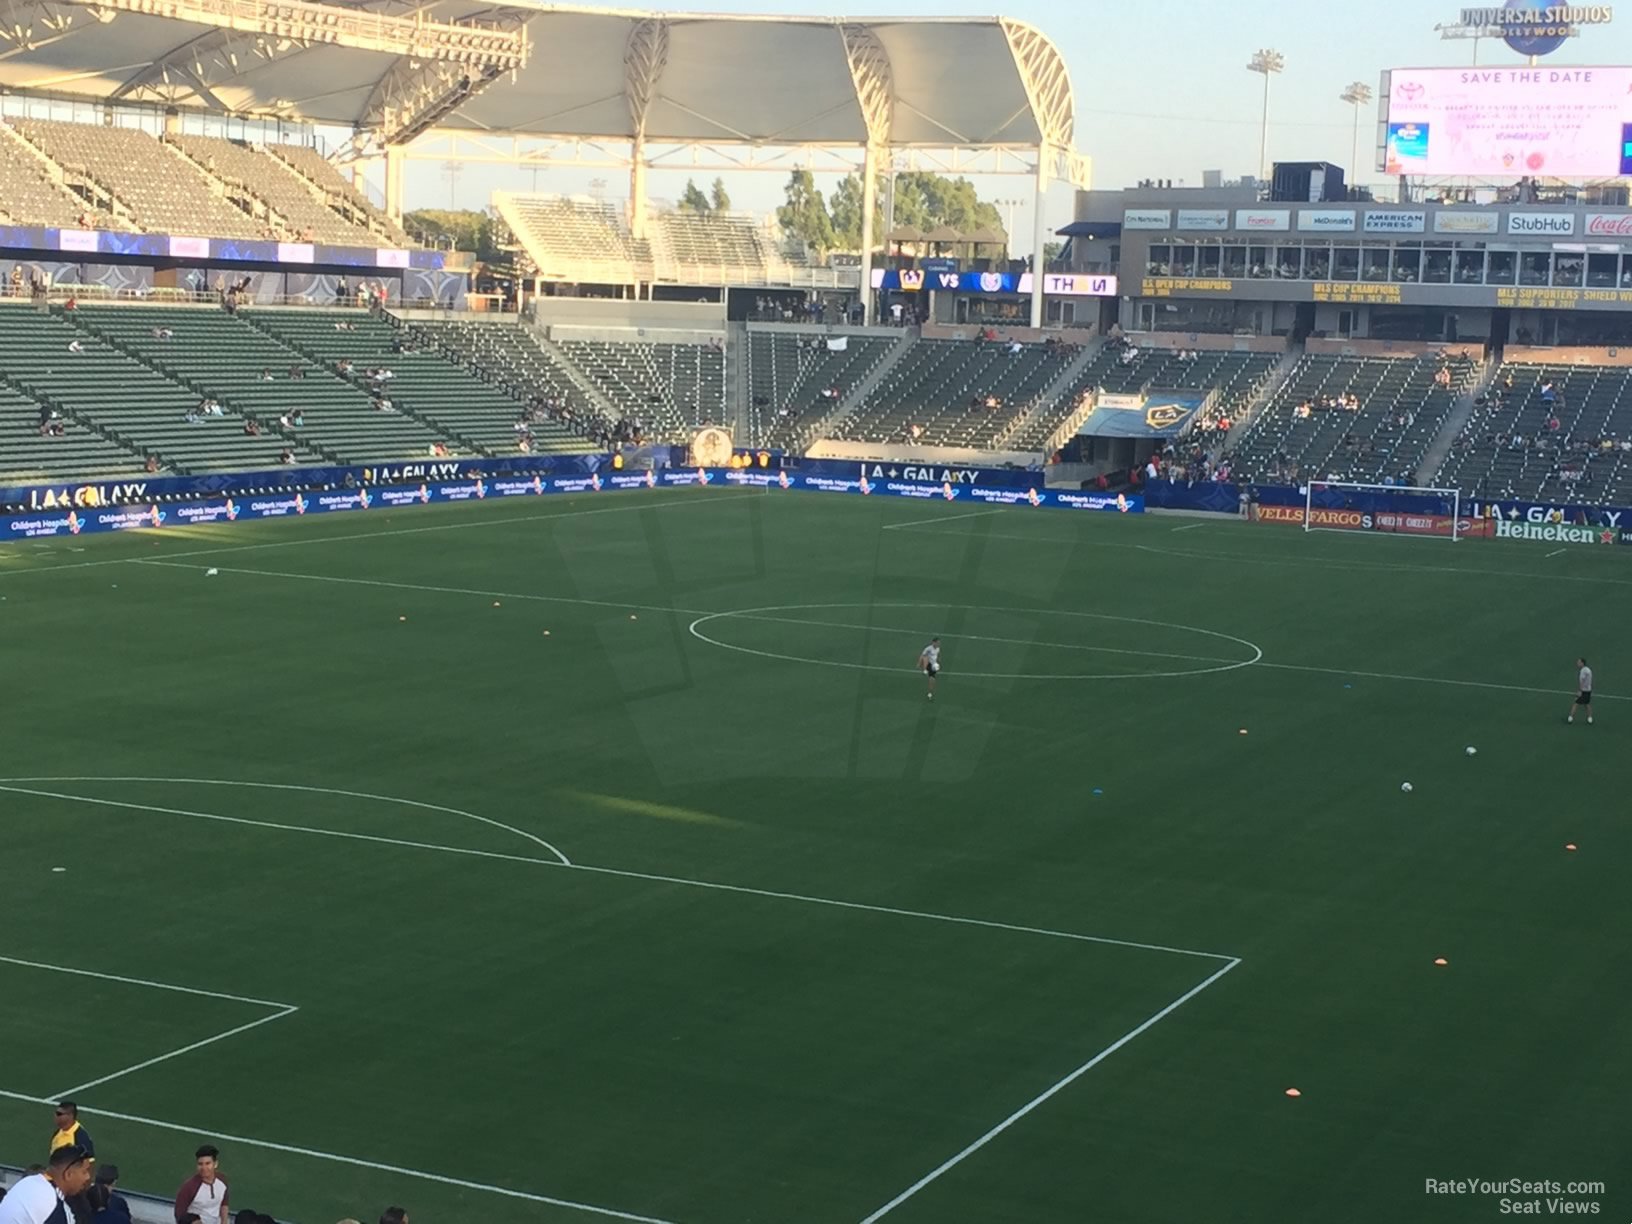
x: 203, y: 1196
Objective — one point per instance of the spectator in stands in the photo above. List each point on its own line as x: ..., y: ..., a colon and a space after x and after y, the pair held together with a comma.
x: 69, y: 1131
x: 74, y: 346
x: 296, y: 372
x: 71, y: 304
x: 394, y: 1215
x: 42, y: 1198
x: 108, y: 1207
x: 286, y: 457
x: 204, y: 1194
x: 266, y: 375
x: 151, y: 465
x: 1548, y: 395
x: 16, y: 280
x: 341, y: 291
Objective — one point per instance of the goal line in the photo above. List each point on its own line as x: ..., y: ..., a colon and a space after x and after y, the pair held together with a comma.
x: 1412, y: 510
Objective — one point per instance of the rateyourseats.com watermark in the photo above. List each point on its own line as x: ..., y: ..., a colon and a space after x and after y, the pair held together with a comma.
x: 1517, y: 1197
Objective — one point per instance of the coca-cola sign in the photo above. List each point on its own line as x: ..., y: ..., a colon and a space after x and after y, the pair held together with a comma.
x: 1609, y: 225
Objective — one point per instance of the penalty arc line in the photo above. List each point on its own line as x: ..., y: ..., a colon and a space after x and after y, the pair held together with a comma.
x: 355, y: 1162
x: 1054, y: 1089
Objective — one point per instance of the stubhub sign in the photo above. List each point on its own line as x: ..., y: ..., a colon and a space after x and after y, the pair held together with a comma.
x: 220, y: 510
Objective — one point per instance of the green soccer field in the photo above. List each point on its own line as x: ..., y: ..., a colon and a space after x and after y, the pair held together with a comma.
x: 601, y: 857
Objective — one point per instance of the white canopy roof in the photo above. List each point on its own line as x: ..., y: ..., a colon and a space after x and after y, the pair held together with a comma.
x: 613, y: 74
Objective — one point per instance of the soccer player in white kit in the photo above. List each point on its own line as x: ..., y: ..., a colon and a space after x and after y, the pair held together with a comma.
x: 929, y: 662
x: 1583, y: 695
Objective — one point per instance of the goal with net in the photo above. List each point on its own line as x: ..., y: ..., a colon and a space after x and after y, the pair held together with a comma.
x: 1391, y: 509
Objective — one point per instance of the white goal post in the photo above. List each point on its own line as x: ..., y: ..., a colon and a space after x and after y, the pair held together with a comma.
x: 1415, y: 510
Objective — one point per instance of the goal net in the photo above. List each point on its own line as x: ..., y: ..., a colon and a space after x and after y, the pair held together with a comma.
x: 1390, y: 509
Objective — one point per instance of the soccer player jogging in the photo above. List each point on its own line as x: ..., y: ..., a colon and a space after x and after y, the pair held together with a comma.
x: 929, y: 662
x: 1583, y: 696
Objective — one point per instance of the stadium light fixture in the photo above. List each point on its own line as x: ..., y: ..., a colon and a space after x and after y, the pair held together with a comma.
x: 1356, y: 95
x: 1266, y: 62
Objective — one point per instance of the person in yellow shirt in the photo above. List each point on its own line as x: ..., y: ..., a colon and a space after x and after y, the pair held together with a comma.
x: 69, y: 1130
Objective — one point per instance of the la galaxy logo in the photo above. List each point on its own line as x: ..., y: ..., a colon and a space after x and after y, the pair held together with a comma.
x: 300, y: 504
x: 782, y: 480
x: 1031, y: 496
x: 595, y: 481
x: 947, y: 491
x: 1163, y: 416
x: 232, y: 511
x: 74, y: 523
x: 651, y: 479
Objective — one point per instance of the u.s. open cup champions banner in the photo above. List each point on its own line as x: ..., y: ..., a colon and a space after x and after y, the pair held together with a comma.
x: 71, y: 519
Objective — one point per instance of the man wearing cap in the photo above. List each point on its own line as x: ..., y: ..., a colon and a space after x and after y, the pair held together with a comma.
x: 41, y: 1197
x: 69, y: 1130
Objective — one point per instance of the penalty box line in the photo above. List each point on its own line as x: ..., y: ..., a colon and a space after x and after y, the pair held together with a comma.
x: 1058, y: 1086
x: 1229, y: 963
x: 279, y: 1011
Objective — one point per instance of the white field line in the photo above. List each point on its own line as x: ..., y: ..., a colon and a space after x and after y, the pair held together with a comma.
x: 603, y: 603
x: 131, y: 981
x: 977, y: 637
x: 335, y: 1158
x: 1059, y: 1086
x: 186, y: 1049
x: 370, y: 535
x: 279, y: 1011
x: 968, y: 514
x: 1189, y: 526
x: 1484, y: 684
x: 435, y: 590
x: 272, y: 824
x: 1556, y: 552
x: 322, y: 790
x: 616, y: 871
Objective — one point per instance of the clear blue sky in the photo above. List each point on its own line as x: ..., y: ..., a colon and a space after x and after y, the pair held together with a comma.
x: 1161, y: 89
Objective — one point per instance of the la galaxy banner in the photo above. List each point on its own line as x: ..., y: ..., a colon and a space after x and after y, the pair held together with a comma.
x: 68, y: 521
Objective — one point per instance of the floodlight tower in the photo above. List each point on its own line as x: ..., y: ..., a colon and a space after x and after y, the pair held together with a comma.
x: 1356, y: 95
x: 1265, y: 62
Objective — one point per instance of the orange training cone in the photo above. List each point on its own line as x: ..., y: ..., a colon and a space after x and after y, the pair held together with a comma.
x: 1440, y: 960
x: 1293, y: 1092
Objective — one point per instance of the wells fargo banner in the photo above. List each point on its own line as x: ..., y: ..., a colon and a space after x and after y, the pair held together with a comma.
x: 1377, y: 520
